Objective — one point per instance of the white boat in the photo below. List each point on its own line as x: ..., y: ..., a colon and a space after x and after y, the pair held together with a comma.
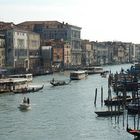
x: 78, y: 75
x: 25, y: 104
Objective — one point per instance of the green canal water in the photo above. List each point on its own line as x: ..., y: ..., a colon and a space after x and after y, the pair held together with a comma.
x: 62, y: 113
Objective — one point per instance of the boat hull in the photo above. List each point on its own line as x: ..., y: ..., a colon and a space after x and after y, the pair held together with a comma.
x: 78, y: 75
x: 133, y: 132
x: 28, y: 89
x: 59, y: 83
x: 108, y: 113
x: 25, y: 106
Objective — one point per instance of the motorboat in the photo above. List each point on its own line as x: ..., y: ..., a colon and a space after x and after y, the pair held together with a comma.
x: 25, y: 104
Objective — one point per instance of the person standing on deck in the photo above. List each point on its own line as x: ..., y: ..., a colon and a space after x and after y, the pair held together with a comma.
x: 28, y: 100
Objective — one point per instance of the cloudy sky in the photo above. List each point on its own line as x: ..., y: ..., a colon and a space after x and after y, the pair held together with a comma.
x: 101, y: 20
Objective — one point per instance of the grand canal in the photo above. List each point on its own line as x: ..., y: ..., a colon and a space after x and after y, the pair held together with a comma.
x: 62, y: 113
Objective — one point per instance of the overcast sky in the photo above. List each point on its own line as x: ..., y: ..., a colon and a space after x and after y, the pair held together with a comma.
x: 101, y: 20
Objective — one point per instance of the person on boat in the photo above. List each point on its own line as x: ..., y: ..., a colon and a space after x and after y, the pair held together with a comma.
x: 28, y: 101
x: 24, y: 100
x: 33, y: 89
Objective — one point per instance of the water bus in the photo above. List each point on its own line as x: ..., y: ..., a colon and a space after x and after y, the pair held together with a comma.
x: 78, y: 75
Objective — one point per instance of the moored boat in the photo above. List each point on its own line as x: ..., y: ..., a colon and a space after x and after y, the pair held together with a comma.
x: 118, y: 100
x: 133, y: 132
x: 105, y: 113
x: 134, y: 106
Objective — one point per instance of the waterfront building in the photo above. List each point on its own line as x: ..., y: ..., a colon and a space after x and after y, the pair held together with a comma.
x: 136, y: 54
x: 21, y: 49
x: 108, y: 45
x: 6, y: 25
x: 2, y: 51
x: 34, y: 51
x: 67, y: 55
x: 58, y: 31
x: 17, y: 54
x: 122, y: 52
x: 58, y: 56
x: 129, y: 51
x: 100, y: 53
x: 87, y: 53
x: 46, y: 58
x: 94, y: 46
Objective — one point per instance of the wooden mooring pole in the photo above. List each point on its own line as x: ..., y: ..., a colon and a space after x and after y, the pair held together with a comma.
x: 95, y: 96
x: 101, y: 96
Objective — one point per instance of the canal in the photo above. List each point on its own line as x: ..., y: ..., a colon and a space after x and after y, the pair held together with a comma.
x: 62, y: 113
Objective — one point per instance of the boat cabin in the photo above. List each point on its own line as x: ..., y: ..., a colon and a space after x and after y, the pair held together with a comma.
x: 28, y: 76
x: 78, y: 75
x: 11, y: 84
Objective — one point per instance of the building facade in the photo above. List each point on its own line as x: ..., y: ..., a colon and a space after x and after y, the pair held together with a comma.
x: 22, y: 49
x: 87, y: 53
x: 2, y: 51
x: 58, y: 31
x: 17, y: 54
x: 46, y: 58
x: 34, y: 51
x: 67, y: 55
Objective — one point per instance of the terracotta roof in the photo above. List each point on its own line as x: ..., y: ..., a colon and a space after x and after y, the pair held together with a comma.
x: 45, y: 22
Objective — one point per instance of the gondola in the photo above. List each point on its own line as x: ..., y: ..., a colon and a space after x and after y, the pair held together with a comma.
x: 106, y: 113
x: 133, y: 132
x: 118, y: 100
x: 29, y: 89
x: 59, y: 82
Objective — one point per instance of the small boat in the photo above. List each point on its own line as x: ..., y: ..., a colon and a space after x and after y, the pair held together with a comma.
x: 117, y: 100
x: 25, y: 104
x: 133, y: 132
x: 134, y: 106
x: 106, y: 113
x: 59, y: 82
x: 78, y: 75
